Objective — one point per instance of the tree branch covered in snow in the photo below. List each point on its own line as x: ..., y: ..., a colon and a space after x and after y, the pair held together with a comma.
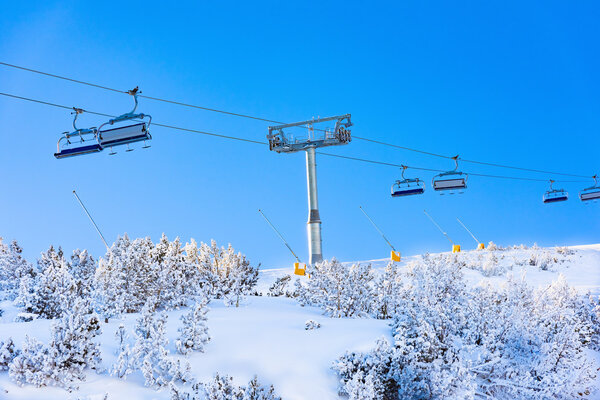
x: 452, y: 341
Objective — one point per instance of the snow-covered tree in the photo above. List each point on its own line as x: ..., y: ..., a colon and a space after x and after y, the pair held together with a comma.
x: 51, y: 290
x: 13, y: 267
x: 72, y: 347
x: 70, y: 351
x: 124, y: 279
x: 7, y: 353
x: 30, y: 365
x: 342, y: 291
x: 122, y: 367
x: 149, y: 353
x: 82, y: 268
x: 256, y: 391
x: 225, y: 274
x: 454, y: 341
x: 278, y: 288
x: 222, y: 388
x: 194, y: 332
x: 385, y: 292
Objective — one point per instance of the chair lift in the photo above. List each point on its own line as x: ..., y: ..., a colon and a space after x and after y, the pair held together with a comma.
x: 592, y: 193
x: 452, y: 180
x: 124, y: 135
x: 407, y: 187
x: 555, y: 195
x: 86, y: 143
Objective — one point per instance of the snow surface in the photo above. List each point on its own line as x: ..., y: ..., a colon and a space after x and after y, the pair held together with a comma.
x: 266, y: 336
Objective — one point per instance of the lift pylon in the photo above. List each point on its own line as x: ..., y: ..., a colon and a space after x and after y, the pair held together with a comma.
x: 92, y: 221
x: 299, y: 267
x: 281, y: 141
x: 480, y: 245
x: 455, y: 247
x: 395, y: 255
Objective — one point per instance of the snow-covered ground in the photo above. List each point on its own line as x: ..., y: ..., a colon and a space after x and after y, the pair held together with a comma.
x: 266, y: 336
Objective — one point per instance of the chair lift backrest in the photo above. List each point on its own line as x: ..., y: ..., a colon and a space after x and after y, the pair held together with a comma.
x: 122, y: 135
x: 450, y: 180
x: 591, y: 193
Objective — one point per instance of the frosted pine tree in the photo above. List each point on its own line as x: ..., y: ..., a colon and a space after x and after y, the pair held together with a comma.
x: 29, y: 366
x: 255, y: 391
x: 361, y: 387
x: 82, y: 268
x: 72, y: 348
x: 342, y: 291
x: 122, y: 367
x: 225, y: 274
x: 124, y: 278
x: 176, y: 280
x: 222, y: 388
x: 149, y: 354
x: 51, y: 290
x: 13, y: 267
x: 194, y: 332
x: 7, y: 353
x: 387, y: 285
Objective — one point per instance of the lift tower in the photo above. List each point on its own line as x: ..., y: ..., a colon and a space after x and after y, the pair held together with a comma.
x: 282, y: 140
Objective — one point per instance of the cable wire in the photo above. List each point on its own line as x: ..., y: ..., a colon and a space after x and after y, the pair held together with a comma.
x: 279, y: 122
x: 265, y: 143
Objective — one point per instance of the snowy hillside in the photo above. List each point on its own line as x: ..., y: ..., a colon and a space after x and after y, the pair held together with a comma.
x: 266, y: 335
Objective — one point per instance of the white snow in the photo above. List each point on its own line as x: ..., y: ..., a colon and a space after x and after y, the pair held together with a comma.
x: 266, y: 336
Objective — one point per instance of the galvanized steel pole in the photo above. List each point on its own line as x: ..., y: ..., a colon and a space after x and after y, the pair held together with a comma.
x: 315, y: 251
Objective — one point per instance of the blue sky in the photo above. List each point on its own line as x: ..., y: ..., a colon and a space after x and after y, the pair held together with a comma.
x: 511, y: 82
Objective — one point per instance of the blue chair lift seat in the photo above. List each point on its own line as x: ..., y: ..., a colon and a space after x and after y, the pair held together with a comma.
x: 555, y: 196
x: 78, y: 150
x: 407, y: 191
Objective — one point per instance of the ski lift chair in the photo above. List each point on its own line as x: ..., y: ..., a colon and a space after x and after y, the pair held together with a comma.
x: 407, y: 187
x: 126, y: 134
x: 78, y: 142
x: 555, y: 195
x: 452, y: 181
x: 592, y: 193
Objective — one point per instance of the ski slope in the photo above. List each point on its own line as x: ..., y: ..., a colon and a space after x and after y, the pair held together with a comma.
x: 266, y: 336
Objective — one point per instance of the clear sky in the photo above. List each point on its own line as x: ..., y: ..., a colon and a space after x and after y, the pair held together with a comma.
x: 509, y: 82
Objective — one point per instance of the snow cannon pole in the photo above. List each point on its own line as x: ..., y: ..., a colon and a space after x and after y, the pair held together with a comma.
x: 470, y: 233
x: 455, y: 247
x: 376, y: 227
x: 280, y: 235
x: 92, y: 220
x: 395, y: 254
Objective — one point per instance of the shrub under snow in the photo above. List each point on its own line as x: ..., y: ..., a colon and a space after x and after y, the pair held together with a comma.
x: 451, y: 341
x: 149, y: 353
x: 194, y: 332
x: 221, y: 387
x: 342, y: 291
x: 71, y: 350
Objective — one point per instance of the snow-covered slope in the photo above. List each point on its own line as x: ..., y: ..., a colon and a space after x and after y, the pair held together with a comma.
x: 266, y: 335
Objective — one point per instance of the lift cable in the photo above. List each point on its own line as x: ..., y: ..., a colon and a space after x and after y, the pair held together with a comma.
x: 265, y: 143
x: 279, y: 122
x: 161, y: 125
